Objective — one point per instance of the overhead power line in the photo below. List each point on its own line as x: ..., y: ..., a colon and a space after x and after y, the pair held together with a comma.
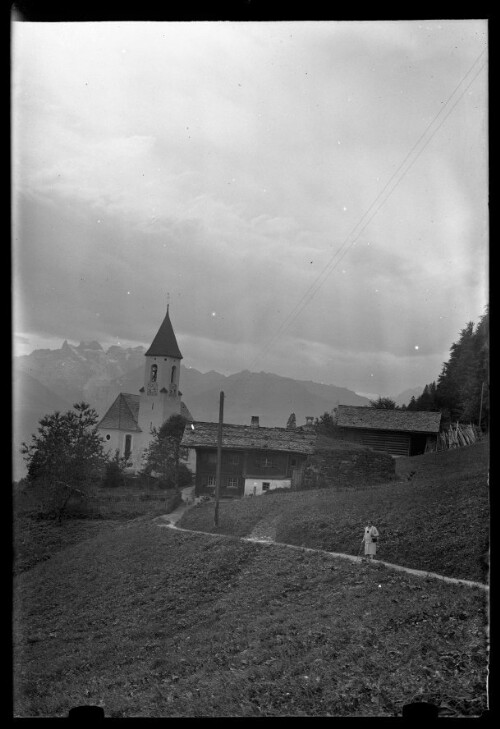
x: 446, y: 109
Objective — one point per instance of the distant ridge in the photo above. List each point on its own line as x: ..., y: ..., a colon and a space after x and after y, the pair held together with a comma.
x: 54, y: 379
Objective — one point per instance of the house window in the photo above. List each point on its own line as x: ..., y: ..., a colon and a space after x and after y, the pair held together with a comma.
x: 128, y: 446
x: 108, y: 437
x: 232, y: 483
x: 154, y: 373
x: 234, y: 459
x: 266, y: 485
x: 293, y: 461
x: 266, y: 462
x: 211, y: 482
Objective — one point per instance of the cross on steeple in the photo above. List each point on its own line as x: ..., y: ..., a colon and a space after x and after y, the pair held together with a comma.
x: 168, y: 300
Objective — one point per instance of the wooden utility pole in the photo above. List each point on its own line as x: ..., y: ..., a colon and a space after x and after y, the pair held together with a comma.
x: 219, y: 459
x: 481, y: 405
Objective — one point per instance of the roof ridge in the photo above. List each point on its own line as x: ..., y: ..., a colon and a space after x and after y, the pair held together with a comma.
x: 390, y: 410
x: 298, y: 429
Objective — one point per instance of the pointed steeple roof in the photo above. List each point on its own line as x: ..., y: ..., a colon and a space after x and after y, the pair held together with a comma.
x: 165, y: 343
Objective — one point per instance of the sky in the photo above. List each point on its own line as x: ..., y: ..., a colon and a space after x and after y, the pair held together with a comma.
x: 311, y: 197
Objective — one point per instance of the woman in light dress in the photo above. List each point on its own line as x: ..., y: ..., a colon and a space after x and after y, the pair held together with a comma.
x: 370, y: 539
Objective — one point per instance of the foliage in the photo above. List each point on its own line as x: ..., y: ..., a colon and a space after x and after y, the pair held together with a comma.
x: 65, y: 458
x: 425, y: 401
x: 326, y: 424
x: 162, y: 455
x: 114, y: 471
x: 179, y: 480
x: 463, y: 380
x: 291, y: 422
x: 383, y: 403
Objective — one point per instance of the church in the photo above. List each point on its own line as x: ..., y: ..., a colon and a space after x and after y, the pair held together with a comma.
x: 127, y: 425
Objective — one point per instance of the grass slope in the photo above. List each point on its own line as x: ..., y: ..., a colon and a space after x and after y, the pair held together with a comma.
x: 36, y: 540
x: 150, y: 622
x: 437, y: 521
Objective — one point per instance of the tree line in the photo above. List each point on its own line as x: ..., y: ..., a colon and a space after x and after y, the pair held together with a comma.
x: 461, y: 392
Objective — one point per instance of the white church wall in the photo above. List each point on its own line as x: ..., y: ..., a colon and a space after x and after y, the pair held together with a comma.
x: 115, y: 440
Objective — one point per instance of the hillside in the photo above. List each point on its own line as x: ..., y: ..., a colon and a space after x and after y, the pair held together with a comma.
x: 437, y: 521
x: 148, y: 622
x: 267, y: 395
x: 404, y: 397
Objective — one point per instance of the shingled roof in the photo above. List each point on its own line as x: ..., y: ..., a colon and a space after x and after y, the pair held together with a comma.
x: 165, y: 343
x: 410, y: 421
x: 123, y: 414
x: 204, y: 435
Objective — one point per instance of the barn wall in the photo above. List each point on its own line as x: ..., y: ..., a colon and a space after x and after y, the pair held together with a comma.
x: 390, y: 441
x: 346, y: 469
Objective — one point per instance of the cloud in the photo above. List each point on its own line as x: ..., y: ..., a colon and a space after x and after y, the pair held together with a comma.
x: 243, y: 168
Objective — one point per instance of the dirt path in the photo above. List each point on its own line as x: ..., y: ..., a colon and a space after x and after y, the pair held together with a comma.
x: 175, y: 515
x: 262, y: 537
x: 265, y: 530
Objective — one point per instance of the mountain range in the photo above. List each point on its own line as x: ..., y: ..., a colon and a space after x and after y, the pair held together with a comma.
x: 47, y: 380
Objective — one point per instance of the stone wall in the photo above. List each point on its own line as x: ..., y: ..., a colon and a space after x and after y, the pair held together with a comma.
x: 347, y: 469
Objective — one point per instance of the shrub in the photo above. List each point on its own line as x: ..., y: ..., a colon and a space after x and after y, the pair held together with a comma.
x: 184, y: 478
x: 114, y: 472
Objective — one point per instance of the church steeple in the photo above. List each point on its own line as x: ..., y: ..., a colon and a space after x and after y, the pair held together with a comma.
x: 165, y: 343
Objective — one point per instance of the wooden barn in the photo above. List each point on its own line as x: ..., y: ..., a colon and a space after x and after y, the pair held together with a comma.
x: 254, y: 459
x: 398, y: 432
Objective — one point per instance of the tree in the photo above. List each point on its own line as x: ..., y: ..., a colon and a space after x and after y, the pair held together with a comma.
x: 465, y: 375
x: 114, y: 472
x: 326, y: 424
x: 383, y: 403
x: 65, y: 458
x: 425, y: 401
x: 291, y: 422
x: 162, y: 455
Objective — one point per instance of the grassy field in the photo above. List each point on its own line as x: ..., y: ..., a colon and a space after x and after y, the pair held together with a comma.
x: 36, y: 540
x: 145, y: 621
x: 437, y: 521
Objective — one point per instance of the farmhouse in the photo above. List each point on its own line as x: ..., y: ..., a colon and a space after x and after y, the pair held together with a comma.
x: 254, y: 459
x: 128, y: 423
x: 398, y: 432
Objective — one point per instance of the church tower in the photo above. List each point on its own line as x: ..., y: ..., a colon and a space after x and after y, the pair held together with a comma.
x: 160, y: 396
x: 126, y: 426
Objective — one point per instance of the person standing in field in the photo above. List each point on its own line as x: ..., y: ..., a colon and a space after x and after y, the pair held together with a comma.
x: 370, y: 538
